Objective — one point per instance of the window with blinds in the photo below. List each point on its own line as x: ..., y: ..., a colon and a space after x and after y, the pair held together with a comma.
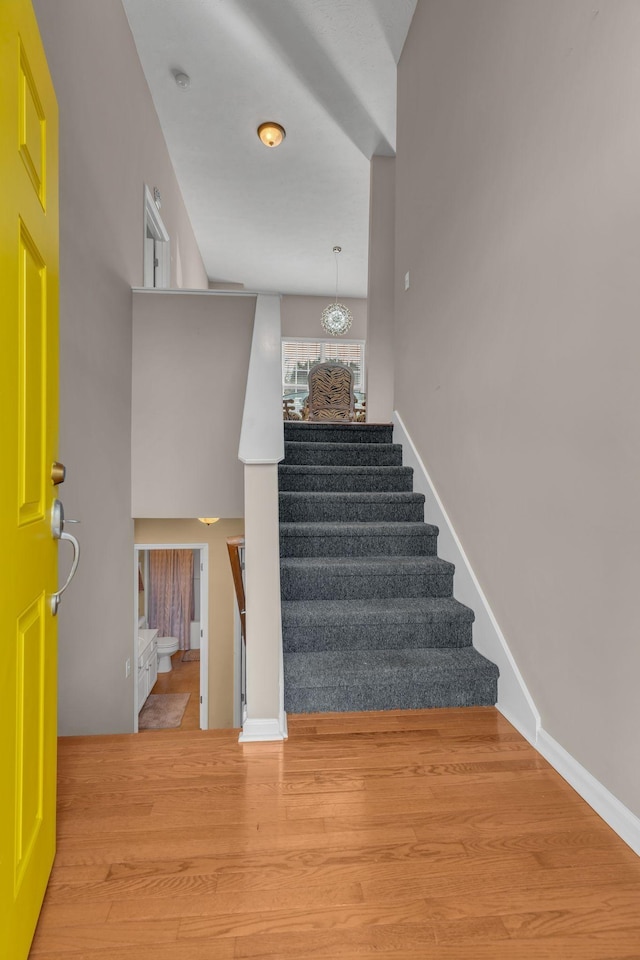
x: 298, y: 356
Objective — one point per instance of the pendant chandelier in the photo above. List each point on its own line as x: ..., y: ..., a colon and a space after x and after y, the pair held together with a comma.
x: 336, y: 318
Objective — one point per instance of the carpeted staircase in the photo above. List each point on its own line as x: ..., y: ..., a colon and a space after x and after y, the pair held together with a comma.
x: 368, y: 616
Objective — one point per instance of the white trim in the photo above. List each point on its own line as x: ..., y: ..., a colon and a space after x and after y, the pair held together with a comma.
x: 201, y: 292
x: 514, y: 699
x: 153, y: 218
x: 204, y: 635
x: 262, y: 730
x: 155, y: 277
x: 612, y: 811
x: 204, y: 624
x: 283, y: 713
x: 237, y: 668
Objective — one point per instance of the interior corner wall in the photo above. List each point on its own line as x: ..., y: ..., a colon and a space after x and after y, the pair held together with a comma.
x: 222, y: 601
x: 190, y: 363
x: 300, y: 317
x: 517, y: 343
x: 111, y: 144
x: 381, y: 290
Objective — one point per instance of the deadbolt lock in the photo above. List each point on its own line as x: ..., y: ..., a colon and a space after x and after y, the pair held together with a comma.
x: 58, y: 473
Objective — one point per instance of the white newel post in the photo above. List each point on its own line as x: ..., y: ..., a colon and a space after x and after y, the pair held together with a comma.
x: 261, y: 449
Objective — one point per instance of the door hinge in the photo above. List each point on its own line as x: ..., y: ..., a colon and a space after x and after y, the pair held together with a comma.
x: 200, y: 699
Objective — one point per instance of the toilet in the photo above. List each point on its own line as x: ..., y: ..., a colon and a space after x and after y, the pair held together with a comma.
x: 166, y: 647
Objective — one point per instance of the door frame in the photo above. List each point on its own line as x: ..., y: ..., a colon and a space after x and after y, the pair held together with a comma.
x: 239, y: 672
x: 155, y: 274
x: 204, y: 624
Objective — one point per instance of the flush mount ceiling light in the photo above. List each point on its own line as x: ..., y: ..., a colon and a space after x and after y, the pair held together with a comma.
x: 208, y: 520
x: 336, y: 318
x: 183, y: 80
x: 271, y: 134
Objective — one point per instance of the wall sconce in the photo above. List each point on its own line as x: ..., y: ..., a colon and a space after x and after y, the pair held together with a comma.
x: 208, y: 520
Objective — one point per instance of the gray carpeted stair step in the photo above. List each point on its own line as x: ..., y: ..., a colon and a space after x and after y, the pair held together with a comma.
x: 388, y: 680
x: 349, y: 479
x: 342, y: 578
x: 297, y: 507
x: 374, y: 624
x: 343, y: 454
x: 303, y: 430
x: 368, y: 616
x: 357, y: 539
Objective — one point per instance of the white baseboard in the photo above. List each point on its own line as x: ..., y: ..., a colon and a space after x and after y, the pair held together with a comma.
x: 514, y: 699
x: 264, y: 729
x: 612, y: 811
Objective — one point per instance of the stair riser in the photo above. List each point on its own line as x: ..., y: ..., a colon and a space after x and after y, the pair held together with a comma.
x: 343, y: 455
x: 297, y: 584
x: 464, y: 692
x: 345, y: 483
x: 406, y: 636
x: 337, y: 511
x: 352, y: 433
x: 425, y: 546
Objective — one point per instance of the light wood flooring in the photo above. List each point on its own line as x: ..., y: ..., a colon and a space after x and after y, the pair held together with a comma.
x: 422, y: 835
x: 182, y: 678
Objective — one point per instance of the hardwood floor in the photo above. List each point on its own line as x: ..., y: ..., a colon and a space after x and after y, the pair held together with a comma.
x: 182, y: 678
x: 399, y: 836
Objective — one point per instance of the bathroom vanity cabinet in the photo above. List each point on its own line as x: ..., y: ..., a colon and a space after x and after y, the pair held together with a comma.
x: 147, y: 664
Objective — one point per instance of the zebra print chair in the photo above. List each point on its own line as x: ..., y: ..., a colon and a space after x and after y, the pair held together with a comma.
x: 330, y: 393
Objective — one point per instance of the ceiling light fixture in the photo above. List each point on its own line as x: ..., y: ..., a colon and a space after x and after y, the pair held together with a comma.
x: 271, y: 134
x: 183, y: 80
x: 336, y: 318
x: 208, y: 520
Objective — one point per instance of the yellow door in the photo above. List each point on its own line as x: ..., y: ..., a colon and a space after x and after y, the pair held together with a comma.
x: 28, y: 438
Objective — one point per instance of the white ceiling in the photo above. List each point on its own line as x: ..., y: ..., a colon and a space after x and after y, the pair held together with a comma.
x: 325, y: 70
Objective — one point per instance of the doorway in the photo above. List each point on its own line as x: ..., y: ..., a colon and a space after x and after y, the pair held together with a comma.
x: 157, y: 246
x: 195, y: 626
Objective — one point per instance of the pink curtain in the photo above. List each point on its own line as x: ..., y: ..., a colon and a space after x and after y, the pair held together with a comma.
x: 171, y: 593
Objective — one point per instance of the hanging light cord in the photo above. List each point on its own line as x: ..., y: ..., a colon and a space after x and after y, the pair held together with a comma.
x: 336, y: 251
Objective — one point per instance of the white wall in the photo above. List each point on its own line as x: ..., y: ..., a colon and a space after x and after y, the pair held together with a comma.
x: 301, y: 317
x: 190, y: 363
x: 517, y: 343
x: 380, y: 324
x: 110, y: 145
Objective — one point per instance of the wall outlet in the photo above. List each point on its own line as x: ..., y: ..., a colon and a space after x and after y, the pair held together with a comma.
x: 406, y: 280
x: 127, y: 669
